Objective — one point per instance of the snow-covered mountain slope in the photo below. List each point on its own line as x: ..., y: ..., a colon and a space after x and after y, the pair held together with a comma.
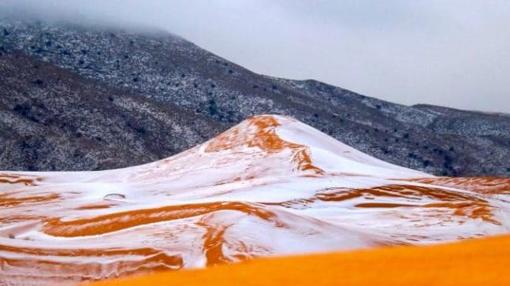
x: 268, y: 186
x: 88, y: 97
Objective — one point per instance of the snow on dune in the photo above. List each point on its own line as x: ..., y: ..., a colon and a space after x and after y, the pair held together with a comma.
x: 269, y: 186
x: 481, y: 261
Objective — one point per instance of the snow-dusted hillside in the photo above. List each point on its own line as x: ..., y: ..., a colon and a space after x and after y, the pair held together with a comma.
x: 83, y: 97
x: 268, y: 186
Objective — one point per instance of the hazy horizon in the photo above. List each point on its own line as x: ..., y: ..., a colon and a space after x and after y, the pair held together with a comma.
x: 452, y: 53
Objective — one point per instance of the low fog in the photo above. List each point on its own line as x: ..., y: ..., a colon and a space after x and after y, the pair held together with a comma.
x: 445, y: 52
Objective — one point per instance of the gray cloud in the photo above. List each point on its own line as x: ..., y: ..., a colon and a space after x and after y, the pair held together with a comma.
x: 454, y: 53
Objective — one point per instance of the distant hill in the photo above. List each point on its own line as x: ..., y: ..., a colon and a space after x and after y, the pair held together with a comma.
x: 81, y: 98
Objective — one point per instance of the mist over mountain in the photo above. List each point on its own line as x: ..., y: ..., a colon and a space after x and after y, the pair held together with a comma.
x: 49, y: 67
x: 452, y: 53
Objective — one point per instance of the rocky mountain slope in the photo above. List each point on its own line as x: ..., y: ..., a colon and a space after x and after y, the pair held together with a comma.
x: 268, y: 186
x: 167, y: 72
x: 53, y: 119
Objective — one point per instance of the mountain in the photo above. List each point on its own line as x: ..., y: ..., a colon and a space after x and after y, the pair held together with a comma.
x: 53, y: 119
x: 182, y: 81
x: 270, y: 185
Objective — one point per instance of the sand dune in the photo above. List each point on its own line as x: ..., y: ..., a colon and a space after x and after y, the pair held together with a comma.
x: 474, y: 262
x: 270, y: 186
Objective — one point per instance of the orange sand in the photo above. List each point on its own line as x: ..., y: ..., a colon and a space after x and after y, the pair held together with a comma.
x: 473, y: 262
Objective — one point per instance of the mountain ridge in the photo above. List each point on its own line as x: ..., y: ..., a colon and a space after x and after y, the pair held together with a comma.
x: 171, y: 71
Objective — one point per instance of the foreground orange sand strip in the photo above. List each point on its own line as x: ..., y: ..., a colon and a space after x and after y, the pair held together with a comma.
x: 472, y: 262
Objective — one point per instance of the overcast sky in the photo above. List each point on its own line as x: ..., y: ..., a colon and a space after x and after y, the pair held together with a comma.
x: 445, y: 52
